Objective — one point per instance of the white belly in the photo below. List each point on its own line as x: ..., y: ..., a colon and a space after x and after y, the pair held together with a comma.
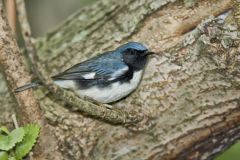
x: 114, y: 92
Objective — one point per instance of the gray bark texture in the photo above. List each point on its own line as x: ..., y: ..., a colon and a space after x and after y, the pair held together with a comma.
x: 190, y: 91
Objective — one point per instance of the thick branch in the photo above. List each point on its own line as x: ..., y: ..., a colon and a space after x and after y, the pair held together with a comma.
x: 14, y: 68
x: 16, y: 74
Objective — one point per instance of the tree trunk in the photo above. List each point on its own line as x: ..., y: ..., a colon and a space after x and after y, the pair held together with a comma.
x: 190, y: 89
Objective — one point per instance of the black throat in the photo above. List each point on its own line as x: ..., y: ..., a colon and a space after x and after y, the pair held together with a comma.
x: 136, y: 60
x: 139, y: 64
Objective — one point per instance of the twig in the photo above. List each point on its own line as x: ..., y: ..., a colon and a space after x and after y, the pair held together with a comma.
x: 15, y: 121
x: 113, y: 116
x: 11, y: 14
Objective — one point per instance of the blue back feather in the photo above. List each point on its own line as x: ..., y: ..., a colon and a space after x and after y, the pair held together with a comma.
x: 103, y: 65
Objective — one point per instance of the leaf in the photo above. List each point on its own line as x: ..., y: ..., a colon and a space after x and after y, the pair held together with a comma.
x: 31, y: 134
x: 3, y: 155
x: 12, y: 158
x: 4, y: 129
x: 9, y: 141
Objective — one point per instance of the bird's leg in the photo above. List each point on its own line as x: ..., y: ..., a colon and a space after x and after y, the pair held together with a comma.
x: 98, y: 103
x: 106, y: 105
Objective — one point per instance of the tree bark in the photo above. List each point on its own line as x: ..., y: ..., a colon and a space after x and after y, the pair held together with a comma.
x: 190, y: 90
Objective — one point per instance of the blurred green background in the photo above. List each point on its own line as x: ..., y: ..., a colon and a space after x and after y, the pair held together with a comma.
x: 232, y: 153
x: 44, y: 15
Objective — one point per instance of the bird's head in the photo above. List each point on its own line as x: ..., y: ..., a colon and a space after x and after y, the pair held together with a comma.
x: 134, y: 54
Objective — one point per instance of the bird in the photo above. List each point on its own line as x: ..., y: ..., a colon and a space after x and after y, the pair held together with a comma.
x: 105, y: 78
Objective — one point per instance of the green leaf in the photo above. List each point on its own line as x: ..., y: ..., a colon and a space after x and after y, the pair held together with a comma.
x: 9, y: 141
x: 4, y: 129
x: 3, y: 155
x: 12, y: 158
x: 31, y: 134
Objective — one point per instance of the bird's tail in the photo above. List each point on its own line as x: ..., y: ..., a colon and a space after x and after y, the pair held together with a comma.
x: 27, y: 86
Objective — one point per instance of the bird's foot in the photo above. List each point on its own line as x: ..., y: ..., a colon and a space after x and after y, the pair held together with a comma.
x: 106, y: 105
x: 98, y: 103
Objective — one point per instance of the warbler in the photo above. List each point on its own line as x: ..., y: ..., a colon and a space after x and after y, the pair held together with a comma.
x: 105, y: 78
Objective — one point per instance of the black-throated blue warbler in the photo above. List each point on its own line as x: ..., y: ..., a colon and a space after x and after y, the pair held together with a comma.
x: 107, y: 77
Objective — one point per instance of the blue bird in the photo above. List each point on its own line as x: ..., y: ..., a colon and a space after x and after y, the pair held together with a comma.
x: 105, y: 78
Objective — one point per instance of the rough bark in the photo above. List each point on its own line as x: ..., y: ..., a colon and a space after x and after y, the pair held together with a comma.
x: 190, y: 90
x: 16, y: 74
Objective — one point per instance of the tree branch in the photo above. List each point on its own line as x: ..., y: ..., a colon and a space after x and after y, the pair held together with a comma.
x: 28, y: 109
x: 11, y: 14
x: 16, y: 73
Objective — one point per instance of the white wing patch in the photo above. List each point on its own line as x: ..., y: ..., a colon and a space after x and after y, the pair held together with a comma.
x: 89, y: 75
x: 65, y: 83
x: 118, y: 73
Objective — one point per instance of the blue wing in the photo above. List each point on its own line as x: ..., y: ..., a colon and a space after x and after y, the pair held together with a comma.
x: 108, y: 66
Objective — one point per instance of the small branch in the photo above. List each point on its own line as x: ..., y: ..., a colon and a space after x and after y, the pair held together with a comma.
x: 113, y: 116
x: 15, y: 121
x: 26, y: 33
x: 11, y: 14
